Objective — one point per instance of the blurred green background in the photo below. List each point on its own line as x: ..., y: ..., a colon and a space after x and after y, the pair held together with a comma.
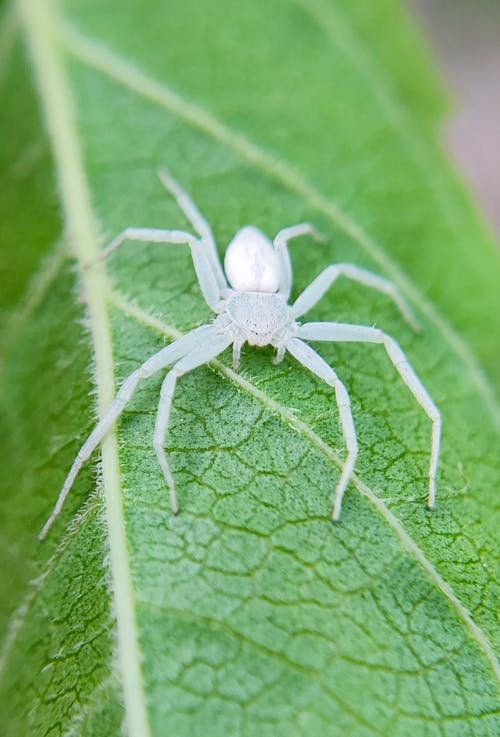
x: 465, y: 37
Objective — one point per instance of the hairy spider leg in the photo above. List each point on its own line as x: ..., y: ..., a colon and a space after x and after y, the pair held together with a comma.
x: 166, y: 357
x: 205, y: 275
x: 320, y: 285
x: 313, y: 361
x: 281, y: 246
x: 340, y: 332
x: 199, y: 224
x: 208, y: 349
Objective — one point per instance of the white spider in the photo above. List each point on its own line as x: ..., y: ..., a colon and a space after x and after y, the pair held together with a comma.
x: 253, y: 308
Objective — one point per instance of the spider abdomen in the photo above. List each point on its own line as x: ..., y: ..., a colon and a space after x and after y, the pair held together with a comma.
x: 260, y: 316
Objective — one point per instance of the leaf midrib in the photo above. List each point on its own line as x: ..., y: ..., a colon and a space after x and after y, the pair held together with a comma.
x: 38, y: 20
x: 357, y: 234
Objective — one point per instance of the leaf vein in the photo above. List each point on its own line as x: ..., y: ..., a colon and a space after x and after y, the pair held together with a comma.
x: 34, y: 294
x: 226, y: 628
x: 272, y: 405
x: 19, y: 617
x: 102, y: 59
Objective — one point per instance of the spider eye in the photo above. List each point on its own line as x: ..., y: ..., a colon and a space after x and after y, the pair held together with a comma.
x: 251, y: 263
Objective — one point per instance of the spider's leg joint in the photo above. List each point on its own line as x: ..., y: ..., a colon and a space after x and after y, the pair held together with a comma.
x: 280, y: 354
x: 237, y: 346
x: 318, y: 236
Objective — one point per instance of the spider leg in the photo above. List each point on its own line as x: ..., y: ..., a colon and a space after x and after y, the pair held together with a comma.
x: 317, y: 288
x: 281, y: 246
x: 168, y: 355
x: 332, y: 331
x: 311, y: 360
x: 208, y: 349
x: 198, y: 222
x: 204, y: 272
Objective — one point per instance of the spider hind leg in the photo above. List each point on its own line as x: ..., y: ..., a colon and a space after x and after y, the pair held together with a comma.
x: 341, y: 332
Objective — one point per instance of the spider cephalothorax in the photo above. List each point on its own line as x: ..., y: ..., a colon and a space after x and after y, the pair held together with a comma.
x: 252, y: 307
x: 261, y: 319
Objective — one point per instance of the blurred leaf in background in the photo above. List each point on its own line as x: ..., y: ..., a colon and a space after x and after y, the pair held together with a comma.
x: 248, y: 614
x: 464, y: 35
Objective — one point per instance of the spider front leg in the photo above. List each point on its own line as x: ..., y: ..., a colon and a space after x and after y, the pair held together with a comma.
x: 320, y: 285
x: 198, y: 222
x: 206, y: 278
x: 339, y: 332
x: 311, y: 360
x: 237, y: 346
x: 212, y: 345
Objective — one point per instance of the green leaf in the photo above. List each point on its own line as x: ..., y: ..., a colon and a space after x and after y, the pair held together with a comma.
x: 248, y: 614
